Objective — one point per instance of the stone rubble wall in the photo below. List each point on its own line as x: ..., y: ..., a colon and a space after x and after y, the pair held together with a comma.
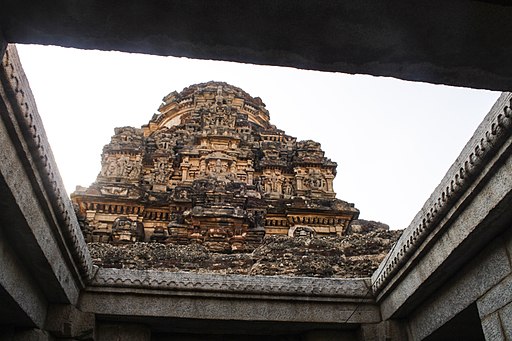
x: 353, y: 256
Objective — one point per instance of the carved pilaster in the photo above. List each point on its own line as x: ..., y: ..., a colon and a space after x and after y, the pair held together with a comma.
x: 329, y: 179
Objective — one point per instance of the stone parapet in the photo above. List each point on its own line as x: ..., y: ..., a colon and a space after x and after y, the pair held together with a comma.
x: 298, y: 287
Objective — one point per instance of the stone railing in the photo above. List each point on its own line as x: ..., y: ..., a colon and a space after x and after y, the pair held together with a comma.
x: 489, y: 137
x: 41, y: 160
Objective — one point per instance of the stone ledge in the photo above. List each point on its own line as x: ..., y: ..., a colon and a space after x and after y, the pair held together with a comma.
x: 122, y: 295
x: 156, y: 281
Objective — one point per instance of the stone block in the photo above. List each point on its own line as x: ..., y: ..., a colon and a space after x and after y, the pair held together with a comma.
x: 67, y: 321
x: 496, y: 298
x: 492, y: 327
x: 506, y: 320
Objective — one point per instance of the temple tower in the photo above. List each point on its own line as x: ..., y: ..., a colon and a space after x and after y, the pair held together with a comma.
x: 210, y: 168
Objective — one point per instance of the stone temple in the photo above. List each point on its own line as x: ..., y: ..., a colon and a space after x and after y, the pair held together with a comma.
x: 210, y: 168
x: 447, y: 277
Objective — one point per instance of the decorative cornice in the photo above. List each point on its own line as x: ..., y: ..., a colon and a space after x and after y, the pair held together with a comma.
x: 231, y: 284
x: 42, y: 161
x: 489, y: 137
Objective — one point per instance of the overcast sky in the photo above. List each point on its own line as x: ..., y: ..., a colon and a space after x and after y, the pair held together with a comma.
x: 393, y: 140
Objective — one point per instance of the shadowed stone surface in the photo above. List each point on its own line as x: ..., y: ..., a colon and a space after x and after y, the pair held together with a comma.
x: 464, y: 43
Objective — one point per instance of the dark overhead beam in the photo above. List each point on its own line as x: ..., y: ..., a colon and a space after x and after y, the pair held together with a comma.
x: 463, y: 43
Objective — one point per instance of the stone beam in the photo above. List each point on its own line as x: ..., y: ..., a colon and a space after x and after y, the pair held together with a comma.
x: 50, y: 260
x: 463, y: 43
x: 122, y: 294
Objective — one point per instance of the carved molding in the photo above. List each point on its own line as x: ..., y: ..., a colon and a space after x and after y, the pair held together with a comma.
x: 271, y: 285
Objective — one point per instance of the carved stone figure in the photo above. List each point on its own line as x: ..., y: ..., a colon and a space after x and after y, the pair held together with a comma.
x: 288, y: 187
x: 124, y: 230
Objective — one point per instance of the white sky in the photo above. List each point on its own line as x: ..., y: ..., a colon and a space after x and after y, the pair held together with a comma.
x: 393, y: 140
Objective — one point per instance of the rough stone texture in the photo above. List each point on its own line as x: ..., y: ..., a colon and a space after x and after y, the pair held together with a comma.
x: 42, y: 183
x: 290, y: 335
x: 362, y: 226
x: 480, y: 149
x: 497, y: 297
x: 209, y: 168
x: 356, y: 255
x: 491, y: 326
x: 508, y: 238
x: 464, y: 43
x: 506, y: 320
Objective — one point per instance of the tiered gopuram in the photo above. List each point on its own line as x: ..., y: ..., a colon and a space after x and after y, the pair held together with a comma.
x: 210, y: 168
